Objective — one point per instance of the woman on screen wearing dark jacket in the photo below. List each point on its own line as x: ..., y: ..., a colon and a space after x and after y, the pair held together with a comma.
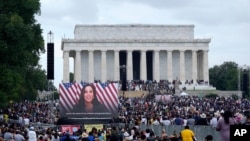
x: 88, y: 102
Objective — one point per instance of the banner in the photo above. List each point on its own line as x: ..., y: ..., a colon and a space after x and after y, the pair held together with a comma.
x: 70, y: 128
x: 89, y: 127
x: 163, y: 98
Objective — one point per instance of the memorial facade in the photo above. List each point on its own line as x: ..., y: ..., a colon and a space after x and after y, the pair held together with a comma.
x: 147, y: 52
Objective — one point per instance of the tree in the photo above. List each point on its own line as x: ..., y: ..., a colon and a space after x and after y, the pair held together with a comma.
x: 21, y: 44
x: 225, y: 76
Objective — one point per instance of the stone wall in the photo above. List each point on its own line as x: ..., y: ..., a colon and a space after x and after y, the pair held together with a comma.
x: 134, y: 31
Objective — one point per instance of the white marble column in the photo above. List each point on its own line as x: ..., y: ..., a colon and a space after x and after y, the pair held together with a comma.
x: 65, y: 66
x: 194, y: 66
x: 182, y: 66
x: 156, y: 69
x: 143, y: 66
x: 91, y: 66
x: 129, y: 65
x: 104, y: 68
x: 116, y: 65
x: 205, y: 66
x: 170, y: 66
x: 77, y: 67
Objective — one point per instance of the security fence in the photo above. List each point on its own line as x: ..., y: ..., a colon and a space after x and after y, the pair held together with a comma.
x: 200, y: 131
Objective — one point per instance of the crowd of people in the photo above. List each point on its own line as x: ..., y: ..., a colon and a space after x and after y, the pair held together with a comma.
x: 218, y: 112
x: 149, y: 111
x: 163, y: 85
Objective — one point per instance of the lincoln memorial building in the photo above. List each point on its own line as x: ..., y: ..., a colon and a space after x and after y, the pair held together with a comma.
x: 136, y: 51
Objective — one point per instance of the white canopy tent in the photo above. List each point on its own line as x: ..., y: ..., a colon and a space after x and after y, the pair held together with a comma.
x: 183, y: 94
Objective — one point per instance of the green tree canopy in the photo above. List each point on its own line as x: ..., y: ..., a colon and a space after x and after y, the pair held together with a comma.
x: 225, y: 76
x: 21, y: 44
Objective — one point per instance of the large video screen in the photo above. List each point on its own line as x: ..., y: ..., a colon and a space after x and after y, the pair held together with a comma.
x: 88, y: 100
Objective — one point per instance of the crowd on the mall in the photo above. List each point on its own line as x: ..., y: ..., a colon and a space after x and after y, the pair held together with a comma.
x: 17, y: 119
x: 149, y: 85
x: 140, y: 85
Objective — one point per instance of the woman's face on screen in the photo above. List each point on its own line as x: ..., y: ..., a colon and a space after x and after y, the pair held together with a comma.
x: 88, y: 94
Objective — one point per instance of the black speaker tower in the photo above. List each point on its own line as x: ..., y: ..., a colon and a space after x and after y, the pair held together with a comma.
x: 124, y: 87
x: 245, y: 82
x: 124, y: 78
x: 50, y: 61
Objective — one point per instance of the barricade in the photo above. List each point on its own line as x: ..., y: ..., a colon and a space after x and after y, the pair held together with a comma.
x: 200, y: 131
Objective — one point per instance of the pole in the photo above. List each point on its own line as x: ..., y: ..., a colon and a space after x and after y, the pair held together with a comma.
x: 238, y: 81
x: 248, y: 82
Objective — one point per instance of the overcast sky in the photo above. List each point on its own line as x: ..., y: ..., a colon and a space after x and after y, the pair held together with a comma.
x: 226, y: 22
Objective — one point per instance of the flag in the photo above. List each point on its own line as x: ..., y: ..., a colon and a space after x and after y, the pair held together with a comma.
x: 69, y: 95
x: 107, y: 94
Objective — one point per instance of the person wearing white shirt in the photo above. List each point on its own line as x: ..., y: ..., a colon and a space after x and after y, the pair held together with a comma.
x: 144, y: 120
x: 26, y: 121
x: 166, y: 121
x: 20, y: 120
x: 156, y: 122
x: 184, y: 121
x: 32, y: 134
x: 147, y: 132
x: 214, y: 120
x: 127, y: 136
